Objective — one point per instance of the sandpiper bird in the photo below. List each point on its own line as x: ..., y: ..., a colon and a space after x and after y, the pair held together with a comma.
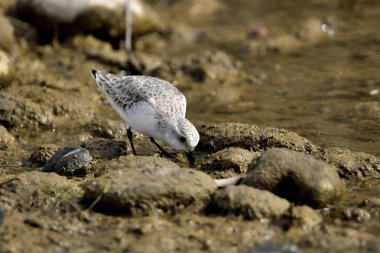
x: 152, y: 107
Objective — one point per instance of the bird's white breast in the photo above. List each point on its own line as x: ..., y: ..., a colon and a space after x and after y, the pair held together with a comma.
x: 140, y: 117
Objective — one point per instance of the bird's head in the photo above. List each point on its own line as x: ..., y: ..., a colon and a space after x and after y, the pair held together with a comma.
x: 183, y: 137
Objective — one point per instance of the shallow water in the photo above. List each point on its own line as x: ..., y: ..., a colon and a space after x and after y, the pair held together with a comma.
x: 320, y: 89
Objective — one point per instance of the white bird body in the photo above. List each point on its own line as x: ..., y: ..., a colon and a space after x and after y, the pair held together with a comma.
x: 151, y: 106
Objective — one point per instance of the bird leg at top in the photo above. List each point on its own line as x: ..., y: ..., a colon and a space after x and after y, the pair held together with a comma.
x: 161, y: 149
x: 130, y: 136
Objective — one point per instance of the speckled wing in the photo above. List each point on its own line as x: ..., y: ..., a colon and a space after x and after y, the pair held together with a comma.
x: 127, y: 91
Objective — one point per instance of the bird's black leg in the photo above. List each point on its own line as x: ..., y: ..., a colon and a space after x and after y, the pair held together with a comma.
x: 130, y: 136
x: 161, y: 149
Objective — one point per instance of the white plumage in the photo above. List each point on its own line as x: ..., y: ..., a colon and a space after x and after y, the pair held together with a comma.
x: 151, y: 106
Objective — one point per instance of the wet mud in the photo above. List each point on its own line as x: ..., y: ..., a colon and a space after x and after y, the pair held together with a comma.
x: 299, y: 129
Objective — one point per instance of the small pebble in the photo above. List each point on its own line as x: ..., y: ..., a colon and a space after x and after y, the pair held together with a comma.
x: 69, y: 161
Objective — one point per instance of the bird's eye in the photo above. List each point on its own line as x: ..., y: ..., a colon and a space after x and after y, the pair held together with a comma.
x: 182, y: 139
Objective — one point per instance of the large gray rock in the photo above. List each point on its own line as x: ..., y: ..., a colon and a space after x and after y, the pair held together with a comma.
x: 149, y: 190
x: 248, y: 202
x: 215, y: 137
x: 296, y: 176
x: 351, y: 164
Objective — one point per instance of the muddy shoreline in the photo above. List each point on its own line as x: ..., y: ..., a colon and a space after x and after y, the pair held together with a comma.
x: 70, y: 183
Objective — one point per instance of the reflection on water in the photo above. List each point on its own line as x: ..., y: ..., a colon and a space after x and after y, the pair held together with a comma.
x: 318, y: 68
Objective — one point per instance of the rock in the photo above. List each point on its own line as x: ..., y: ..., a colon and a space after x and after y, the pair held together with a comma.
x: 248, y: 202
x: 215, y: 137
x: 7, y: 141
x: 16, y: 111
x: 12, y: 158
x: 70, y: 162
x: 351, y: 164
x: 39, y: 191
x: 270, y: 247
x: 216, y: 67
x: 106, y: 149
x: 7, y: 36
x: 145, y: 191
x: 234, y: 159
x: 133, y: 162
x: 41, y: 155
x: 298, y: 177
x: 304, y: 217
x: 281, y: 138
x: 149, y: 162
x: 109, y: 129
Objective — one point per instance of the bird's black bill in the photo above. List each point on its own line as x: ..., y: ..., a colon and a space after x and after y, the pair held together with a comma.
x: 191, y: 158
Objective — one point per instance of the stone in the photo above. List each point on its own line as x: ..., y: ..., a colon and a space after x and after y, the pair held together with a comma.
x: 109, y: 129
x: 41, y: 155
x: 106, y: 149
x: 133, y: 162
x: 304, y: 217
x: 298, y: 177
x: 149, y: 190
x: 16, y: 111
x: 248, y: 202
x: 235, y: 159
x: 69, y: 161
x: 216, y: 137
x: 7, y: 141
x: 39, y: 191
x: 351, y: 164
